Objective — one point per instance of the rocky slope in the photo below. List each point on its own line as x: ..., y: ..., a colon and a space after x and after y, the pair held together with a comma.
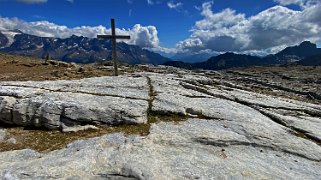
x: 311, y: 61
x: 297, y: 53
x: 231, y: 60
x: 74, y: 49
x: 230, y: 132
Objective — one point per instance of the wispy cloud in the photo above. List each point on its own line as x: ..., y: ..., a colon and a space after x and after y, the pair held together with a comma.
x: 130, y: 11
x: 173, y: 5
x: 32, y: 1
x: 178, y: 7
x: 150, y: 2
x: 38, y: 1
x: 38, y: 16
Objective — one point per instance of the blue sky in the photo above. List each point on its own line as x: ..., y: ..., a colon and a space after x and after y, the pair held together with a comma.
x: 174, y: 20
x: 173, y: 25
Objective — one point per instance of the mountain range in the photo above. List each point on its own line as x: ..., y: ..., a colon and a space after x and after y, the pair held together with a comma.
x: 306, y: 53
x: 81, y: 49
x: 74, y: 49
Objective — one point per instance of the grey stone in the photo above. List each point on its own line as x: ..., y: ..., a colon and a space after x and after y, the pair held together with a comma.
x: 2, y: 134
x: 6, y: 105
x: 194, y: 95
x: 121, y: 86
x: 119, y: 100
x: 77, y: 128
x: 199, y: 149
x: 236, y: 134
x: 12, y: 141
x: 301, y: 122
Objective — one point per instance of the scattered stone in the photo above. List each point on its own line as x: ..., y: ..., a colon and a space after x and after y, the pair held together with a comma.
x: 29, y: 64
x: 2, y: 134
x: 64, y: 64
x: 73, y: 64
x: 81, y: 70
x: 12, y: 141
x: 55, y: 73
x: 77, y: 128
x: 52, y: 62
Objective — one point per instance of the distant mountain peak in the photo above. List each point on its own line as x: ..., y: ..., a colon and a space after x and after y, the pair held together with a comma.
x: 296, y: 53
x: 17, y: 31
x: 308, y: 44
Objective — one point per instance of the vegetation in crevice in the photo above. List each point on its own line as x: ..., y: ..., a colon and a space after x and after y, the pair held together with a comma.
x: 45, y: 141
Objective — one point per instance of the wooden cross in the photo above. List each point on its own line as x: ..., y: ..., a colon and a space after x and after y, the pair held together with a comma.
x: 113, y: 37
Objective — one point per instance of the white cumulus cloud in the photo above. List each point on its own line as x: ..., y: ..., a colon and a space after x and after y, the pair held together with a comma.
x: 267, y: 31
x: 144, y: 36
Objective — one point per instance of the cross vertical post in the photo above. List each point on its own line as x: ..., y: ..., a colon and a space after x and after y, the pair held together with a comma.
x: 114, y: 53
x: 113, y: 38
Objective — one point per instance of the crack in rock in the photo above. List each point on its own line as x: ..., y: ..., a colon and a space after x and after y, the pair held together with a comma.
x: 258, y: 107
x: 227, y: 143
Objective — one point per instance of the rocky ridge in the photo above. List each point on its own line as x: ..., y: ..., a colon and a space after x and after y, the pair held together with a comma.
x: 77, y: 49
x: 230, y: 132
x: 289, y: 55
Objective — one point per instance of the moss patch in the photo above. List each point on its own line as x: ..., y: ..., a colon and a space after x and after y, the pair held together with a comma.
x: 46, y: 141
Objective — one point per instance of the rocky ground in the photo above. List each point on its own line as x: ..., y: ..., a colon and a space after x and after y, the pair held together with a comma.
x: 164, y: 123
x: 292, y: 81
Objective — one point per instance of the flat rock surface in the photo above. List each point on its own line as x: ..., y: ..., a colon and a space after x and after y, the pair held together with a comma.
x: 195, y: 149
x: 59, y: 104
x: 230, y: 132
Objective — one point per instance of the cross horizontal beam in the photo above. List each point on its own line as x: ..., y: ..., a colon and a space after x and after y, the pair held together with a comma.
x: 113, y: 37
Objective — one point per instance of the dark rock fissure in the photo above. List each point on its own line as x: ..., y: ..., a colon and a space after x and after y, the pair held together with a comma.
x: 222, y: 143
x: 309, y: 112
x: 296, y: 131
x: 279, y: 121
x: 274, y: 86
x: 202, y: 90
x: 151, y: 94
x: 79, y: 92
x: 115, y: 176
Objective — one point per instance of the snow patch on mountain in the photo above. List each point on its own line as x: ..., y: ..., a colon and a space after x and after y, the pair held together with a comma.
x: 10, y: 35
